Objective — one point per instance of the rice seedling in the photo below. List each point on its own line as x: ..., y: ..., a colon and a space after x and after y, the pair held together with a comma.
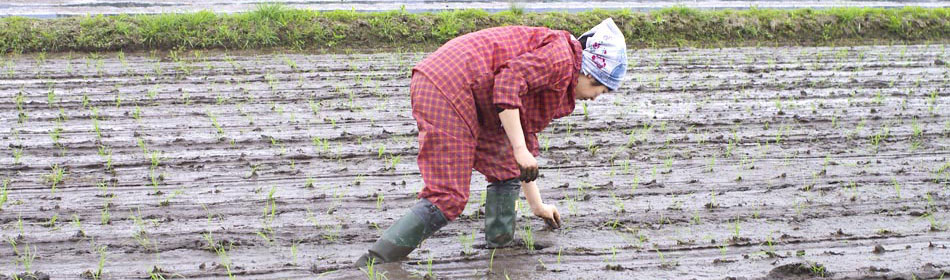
x: 289, y: 62
x: 897, y: 187
x: 118, y: 99
x: 934, y: 224
x: 222, y: 252
x: 586, y: 115
x: 56, y: 176
x: 78, y: 224
x: 25, y: 257
x: 664, y: 263
x: 816, y: 269
x: 253, y: 172
x: 51, y: 97
x: 186, y: 98
x: 106, y: 154
x: 879, y: 98
x: 527, y: 237
x: 293, y: 251
x: 214, y: 122
x: 875, y: 140
x: 141, y: 143
x: 277, y: 144
x: 371, y: 272
x: 491, y: 260
x: 723, y: 248
x: 379, y: 201
x: 102, y: 262
x: 323, y: 144
x: 591, y: 147
x: 467, y: 240
x: 168, y: 198
x: 140, y: 235
x: 735, y: 235
x: 711, y: 165
x: 393, y: 161
x: 17, y: 154
x: 51, y: 222
x: 916, y: 135
x: 3, y: 193
x: 55, y: 133
x: 428, y: 274
x: 105, y: 217
x: 310, y: 183
x: 96, y: 129
x: 933, y: 102
x: 155, y: 158
x: 18, y: 99
x: 152, y: 93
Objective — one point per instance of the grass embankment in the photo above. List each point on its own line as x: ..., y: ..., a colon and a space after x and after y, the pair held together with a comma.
x: 274, y: 26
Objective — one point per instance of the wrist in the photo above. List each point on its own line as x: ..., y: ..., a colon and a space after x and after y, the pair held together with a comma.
x: 519, y: 148
x: 536, y: 208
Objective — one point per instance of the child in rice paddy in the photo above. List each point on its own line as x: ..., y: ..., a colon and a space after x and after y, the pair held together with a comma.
x: 479, y: 102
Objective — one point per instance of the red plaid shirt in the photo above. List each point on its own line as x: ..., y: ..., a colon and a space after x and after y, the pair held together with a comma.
x: 533, y: 69
x: 458, y: 91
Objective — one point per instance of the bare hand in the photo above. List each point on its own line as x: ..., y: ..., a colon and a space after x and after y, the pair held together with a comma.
x: 550, y: 215
x: 528, y: 165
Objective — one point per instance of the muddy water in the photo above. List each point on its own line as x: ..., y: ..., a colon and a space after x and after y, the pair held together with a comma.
x: 56, y: 8
x: 708, y: 164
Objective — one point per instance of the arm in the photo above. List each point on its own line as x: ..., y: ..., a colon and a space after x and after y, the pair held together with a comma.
x: 529, y: 169
x: 532, y: 195
x: 511, y: 121
x: 547, y: 212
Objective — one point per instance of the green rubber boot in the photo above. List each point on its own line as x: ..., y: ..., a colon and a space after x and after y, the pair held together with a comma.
x: 405, y: 235
x: 500, y: 213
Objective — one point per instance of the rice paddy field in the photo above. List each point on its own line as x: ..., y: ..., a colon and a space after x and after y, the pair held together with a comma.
x: 739, y: 163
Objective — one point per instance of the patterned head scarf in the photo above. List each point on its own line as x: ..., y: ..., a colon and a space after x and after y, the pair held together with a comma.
x: 605, y: 54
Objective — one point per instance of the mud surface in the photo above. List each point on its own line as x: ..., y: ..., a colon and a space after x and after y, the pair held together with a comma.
x: 746, y: 163
x: 56, y: 8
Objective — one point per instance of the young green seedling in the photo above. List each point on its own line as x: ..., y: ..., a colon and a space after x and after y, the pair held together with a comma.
x: 293, y: 251
x: 3, y: 193
x: 897, y: 187
x: 527, y: 237
x: 57, y: 175
x: 371, y: 272
x: 51, y: 223
x: 102, y: 261
x: 51, y: 98
x: 137, y: 113
x: 379, y: 201
x: 17, y: 154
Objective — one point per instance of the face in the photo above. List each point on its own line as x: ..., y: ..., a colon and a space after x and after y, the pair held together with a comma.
x: 588, y: 88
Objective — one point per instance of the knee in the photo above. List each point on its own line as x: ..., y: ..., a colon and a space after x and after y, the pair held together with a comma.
x: 450, y: 207
x: 425, y: 208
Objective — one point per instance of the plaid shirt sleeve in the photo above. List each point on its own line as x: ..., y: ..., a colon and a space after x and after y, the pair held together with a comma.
x: 530, y: 70
x: 531, y: 140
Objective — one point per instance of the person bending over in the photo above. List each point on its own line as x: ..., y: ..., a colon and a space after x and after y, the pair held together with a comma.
x: 479, y: 102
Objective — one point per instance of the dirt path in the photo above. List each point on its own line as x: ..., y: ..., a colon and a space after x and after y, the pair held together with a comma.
x: 712, y: 163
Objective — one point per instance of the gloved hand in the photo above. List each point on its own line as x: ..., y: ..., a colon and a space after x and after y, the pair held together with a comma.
x: 549, y: 214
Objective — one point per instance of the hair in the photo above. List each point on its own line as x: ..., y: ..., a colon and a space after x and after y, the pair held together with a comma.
x: 594, y: 81
x: 583, y: 40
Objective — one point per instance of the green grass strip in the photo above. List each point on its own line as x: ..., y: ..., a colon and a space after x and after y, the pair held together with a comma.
x: 275, y: 26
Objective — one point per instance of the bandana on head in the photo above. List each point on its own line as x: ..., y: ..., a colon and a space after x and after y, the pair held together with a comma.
x: 605, y: 56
